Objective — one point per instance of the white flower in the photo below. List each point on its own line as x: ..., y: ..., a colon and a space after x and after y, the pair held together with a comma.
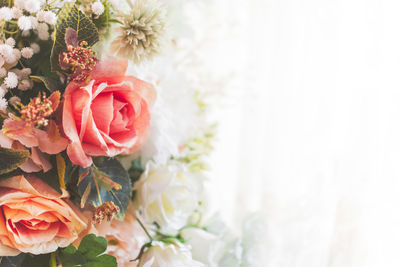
x: 10, y: 41
x: 35, y: 47
x: 14, y: 99
x: 3, y: 91
x: 26, y: 33
x: 43, y: 31
x: 32, y: 6
x: 27, y: 52
x: 168, y: 195
x: 25, y: 23
x: 7, y: 52
x: 17, y: 12
x: 25, y: 72
x: 50, y: 17
x: 40, y: 15
x: 34, y: 22
x: 11, y: 81
x: 3, y: 104
x: 97, y: 8
x: 6, y: 14
x: 206, y: 247
x: 25, y: 85
x: 3, y: 72
x: 161, y: 255
x: 17, y: 54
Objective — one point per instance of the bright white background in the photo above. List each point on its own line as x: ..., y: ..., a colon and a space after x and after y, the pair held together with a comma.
x: 310, y: 128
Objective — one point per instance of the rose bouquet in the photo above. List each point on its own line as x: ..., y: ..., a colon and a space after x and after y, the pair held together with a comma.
x: 103, y: 137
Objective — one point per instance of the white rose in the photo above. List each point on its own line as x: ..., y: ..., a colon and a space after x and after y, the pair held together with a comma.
x: 168, y: 195
x: 206, y: 247
x: 161, y: 255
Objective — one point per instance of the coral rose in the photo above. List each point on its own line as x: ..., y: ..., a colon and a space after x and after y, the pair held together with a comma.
x: 108, y: 116
x: 35, y: 218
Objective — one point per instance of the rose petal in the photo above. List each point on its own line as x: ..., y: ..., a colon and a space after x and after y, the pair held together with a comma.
x: 110, y: 68
x: 102, y: 107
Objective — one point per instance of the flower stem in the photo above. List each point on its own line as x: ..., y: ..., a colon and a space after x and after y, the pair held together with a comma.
x: 144, y: 229
x: 53, y: 261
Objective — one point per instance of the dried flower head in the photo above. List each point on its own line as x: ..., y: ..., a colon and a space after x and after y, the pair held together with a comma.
x: 141, y: 33
x: 36, y: 113
x: 81, y: 59
x: 106, y: 211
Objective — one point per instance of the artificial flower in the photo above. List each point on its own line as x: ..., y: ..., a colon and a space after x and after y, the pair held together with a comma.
x: 125, y: 238
x: 107, y: 117
x: 35, y: 218
x: 168, y: 195
x: 162, y: 255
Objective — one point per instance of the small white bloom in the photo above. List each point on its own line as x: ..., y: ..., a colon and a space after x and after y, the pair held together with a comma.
x: 17, y: 12
x: 3, y: 72
x: 14, y: 99
x: 35, y: 47
x: 161, y: 255
x: 25, y: 23
x: 50, y: 17
x: 26, y: 33
x: 3, y: 104
x: 44, y: 35
x: 25, y: 72
x: 32, y: 6
x: 3, y: 91
x: 34, y: 22
x: 27, y: 52
x: 10, y: 41
x: 40, y: 15
x: 17, y: 54
x: 6, y: 14
x: 25, y: 85
x: 168, y: 195
x: 11, y: 81
x: 98, y: 8
x: 7, y: 52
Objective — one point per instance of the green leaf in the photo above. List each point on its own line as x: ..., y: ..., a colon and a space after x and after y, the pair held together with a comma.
x: 11, y: 159
x: 89, y: 253
x: 135, y: 171
x: 36, y: 260
x: 12, y: 261
x: 70, y: 17
x: 92, y: 246
x: 115, y: 187
x: 51, y: 84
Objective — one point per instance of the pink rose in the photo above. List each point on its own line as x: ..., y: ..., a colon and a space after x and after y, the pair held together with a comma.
x: 35, y: 218
x: 125, y: 239
x: 108, y: 116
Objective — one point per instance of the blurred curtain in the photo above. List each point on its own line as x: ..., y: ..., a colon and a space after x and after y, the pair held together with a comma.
x: 310, y: 128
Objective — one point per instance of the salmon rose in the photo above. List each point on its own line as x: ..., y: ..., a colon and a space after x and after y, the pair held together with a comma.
x: 107, y: 117
x: 35, y: 218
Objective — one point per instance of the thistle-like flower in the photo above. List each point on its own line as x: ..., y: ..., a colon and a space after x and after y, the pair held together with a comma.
x: 142, y: 31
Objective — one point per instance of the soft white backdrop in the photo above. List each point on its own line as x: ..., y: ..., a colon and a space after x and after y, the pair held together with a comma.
x: 310, y: 128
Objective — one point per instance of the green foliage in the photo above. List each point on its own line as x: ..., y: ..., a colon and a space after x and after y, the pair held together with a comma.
x: 135, y: 171
x: 11, y: 159
x: 36, y: 260
x: 51, y: 84
x: 12, y: 261
x: 104, y: 182
x: 71, y: 17
x: 89, y: 253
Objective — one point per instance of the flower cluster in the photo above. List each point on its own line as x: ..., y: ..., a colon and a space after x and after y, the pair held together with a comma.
x: 103, y: 139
